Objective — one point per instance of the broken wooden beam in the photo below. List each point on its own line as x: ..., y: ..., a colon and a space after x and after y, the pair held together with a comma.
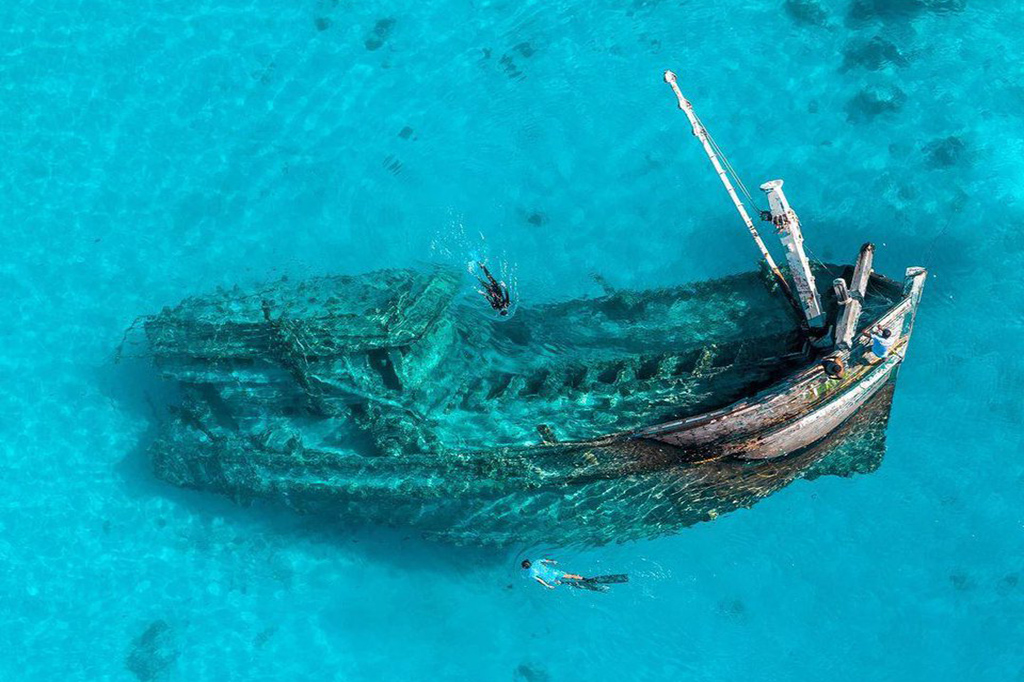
x: 846, y: 327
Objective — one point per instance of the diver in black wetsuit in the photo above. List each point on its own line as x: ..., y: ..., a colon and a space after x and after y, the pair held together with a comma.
x: 495, y: 292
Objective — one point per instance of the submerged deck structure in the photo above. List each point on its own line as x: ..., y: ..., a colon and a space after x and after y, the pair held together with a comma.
x: 389, y: 398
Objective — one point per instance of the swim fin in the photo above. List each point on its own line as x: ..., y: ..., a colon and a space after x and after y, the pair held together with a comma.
x: 599, y: 583
x: 608, y: 579
x: 585, y: 585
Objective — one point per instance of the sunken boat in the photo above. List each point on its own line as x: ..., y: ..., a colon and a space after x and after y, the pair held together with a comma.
x: 387, y: 398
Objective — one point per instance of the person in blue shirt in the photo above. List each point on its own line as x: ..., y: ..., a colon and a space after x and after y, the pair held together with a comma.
x: 881, y: 342
x: 544, y: 572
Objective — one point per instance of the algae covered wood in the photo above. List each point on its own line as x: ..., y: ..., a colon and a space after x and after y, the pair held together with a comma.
x: 325, y: 316
x: 438, y: 377
x: 589, y: 494
x: 474, y: 429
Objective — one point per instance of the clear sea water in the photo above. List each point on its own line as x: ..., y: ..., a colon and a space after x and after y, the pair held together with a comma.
x: 150, y: 151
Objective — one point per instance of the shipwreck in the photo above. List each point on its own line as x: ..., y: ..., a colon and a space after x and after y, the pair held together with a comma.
x: 388, y: 397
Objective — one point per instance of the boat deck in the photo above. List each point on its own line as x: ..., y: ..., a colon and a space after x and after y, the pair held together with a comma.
x: 614, y: 369
x: 402, y: 362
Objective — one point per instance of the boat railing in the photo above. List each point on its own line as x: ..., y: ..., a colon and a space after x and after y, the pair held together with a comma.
x: 902, y: 313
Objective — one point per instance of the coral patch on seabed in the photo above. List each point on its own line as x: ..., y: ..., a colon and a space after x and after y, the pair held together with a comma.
x: 808, y: 12
x: 872, y: 102
x: 873, y: 54
x: 153, y: 652
x: 946, y: 152
x: 527, y: 672
x: 380, y: 34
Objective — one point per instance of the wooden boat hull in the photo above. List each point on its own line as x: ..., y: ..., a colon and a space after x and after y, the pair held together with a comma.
x: 573, y: 493
x: 238, y: 432
x: 805, y: 407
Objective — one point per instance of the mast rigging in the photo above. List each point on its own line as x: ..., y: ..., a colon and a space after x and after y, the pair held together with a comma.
x: 714, y: 155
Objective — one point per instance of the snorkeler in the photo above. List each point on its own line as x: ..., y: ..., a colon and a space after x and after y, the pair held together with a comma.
x: 495, y: 292
x: 544, y: 572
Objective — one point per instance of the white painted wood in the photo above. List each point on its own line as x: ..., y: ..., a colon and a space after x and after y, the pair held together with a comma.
x: 801, y: 409
x: 846, y: 326
x: 788, y: 225
x: 821, y: 421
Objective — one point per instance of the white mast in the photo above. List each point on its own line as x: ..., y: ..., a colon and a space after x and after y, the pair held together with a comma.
x: 702, y: 134
x: 788, y: 225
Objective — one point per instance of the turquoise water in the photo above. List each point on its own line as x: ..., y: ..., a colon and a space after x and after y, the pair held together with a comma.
x: 151, y: 152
